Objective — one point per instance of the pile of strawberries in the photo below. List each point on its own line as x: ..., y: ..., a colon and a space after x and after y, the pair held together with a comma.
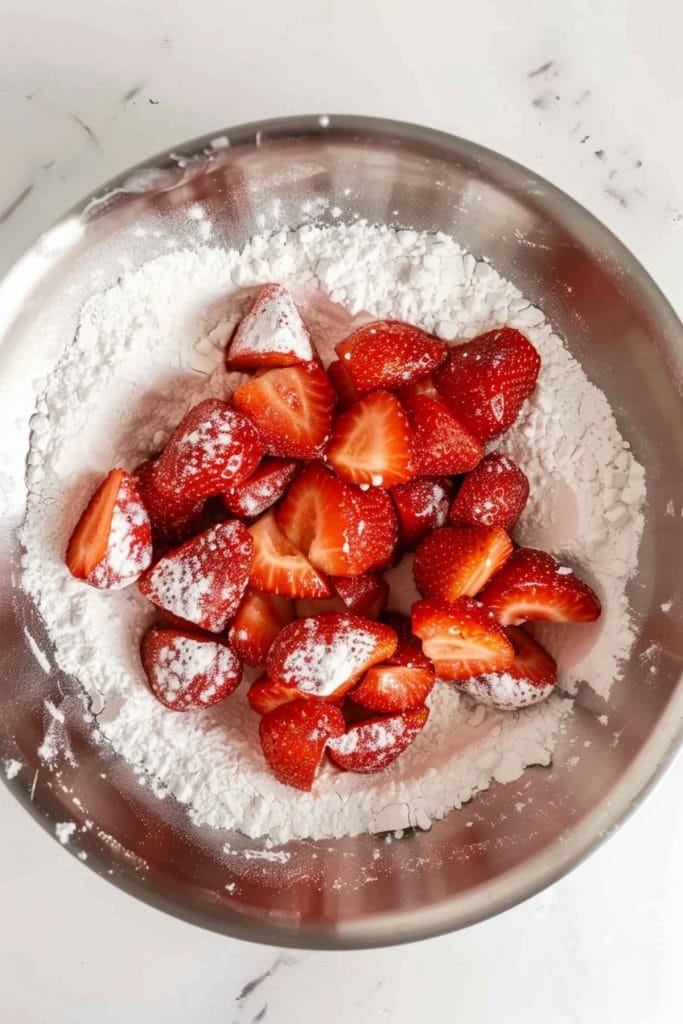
x: 262, y: 528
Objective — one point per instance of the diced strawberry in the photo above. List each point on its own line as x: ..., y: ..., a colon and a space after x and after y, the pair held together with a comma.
x: 305, y: 607
x: 343, y: 385
x: 264, y: 695
x: 492, y: 494
x: 324, y: 656
x: 486, y: 381
x: 279, y: 567
x: 111, y: 545
x: 366, y: 594
x: 421, y: 386
x: 292, y: 408
x: 372, y: 443
x: 173, y: 516
x: 271, y: 334
x: 259, y: 619
x: 388, y: 688
x: 528, y: 680
x: 263, y: 488
x: 388, y: 353
x: 461, y: 639
x: 459, y: 560
x: 341, y: 529
x: 534, y: 585
x: 212, y: 448
x: 294, y: 736
x: 442, y: 445
x: 374, y: 744
x: 409, y: 651
x: 422, y: 506
x: 203, y: 580
x: 187, y: 671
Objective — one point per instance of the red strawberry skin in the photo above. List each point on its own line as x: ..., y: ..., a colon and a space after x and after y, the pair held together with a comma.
x: 372, y: 443
x: 204, y: 579
x: 485, y: 382
x: 271, y: 334
x: 372, y: 745
x: 535, y: 586
x: 461, y: 639
x: 442, y: 445
x: 494, y: 493
x: 422, y: 505
x: 293, y: 739
x: 528, y: 680
x: 343, y: 385
x: 173, y: 516
x: 279, y: 567
x: 454, y: 561
x: 388, y: 354
x: 264, y: 695
x: 390, y: 688
x: 366, y: 594
x: 188, y: 671
x: 263, y: 488
x: 259, y: 619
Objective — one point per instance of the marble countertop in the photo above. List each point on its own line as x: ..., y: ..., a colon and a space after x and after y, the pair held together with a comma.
x: 592, y: 100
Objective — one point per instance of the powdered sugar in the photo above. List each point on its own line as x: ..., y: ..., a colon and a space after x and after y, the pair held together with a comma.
x: 129, y: 549
x: 505, y: 691
x: 273, y: 325
x: 186, y: 670
x: 320, y: 664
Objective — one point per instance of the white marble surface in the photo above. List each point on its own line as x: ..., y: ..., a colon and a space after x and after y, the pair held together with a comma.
x: 593, y: 100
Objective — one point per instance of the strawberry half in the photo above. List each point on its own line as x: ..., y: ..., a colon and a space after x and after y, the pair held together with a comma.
x: 173, y: 516
x: 111, y: 545
x: 187, y: 671
x: 461, y: 639
x: 486, y: 381
x: 263, y: 488
x: 387, y: 688
x: 422, y: 505
x: 294, y: 736
x: 203, y: 580
x: 259, y: 619
x: 442, y: 445
x: 372, y: 443
x: 421, y: 386
x: 271, y: 334
x: 456, y: 561
x: 292, y: 408
x: 492, y: 494
x: 366, y: 594
x: 388, y: 353
x: 343, y: 385
x: 535, y: 586
x: 264, y: 695
x: 323, y: 656
x: 372, y: 745
x: 279, y: 567
x: 528, y: 680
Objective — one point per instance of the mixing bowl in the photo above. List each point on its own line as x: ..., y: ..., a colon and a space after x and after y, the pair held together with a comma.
x: 474, y: 863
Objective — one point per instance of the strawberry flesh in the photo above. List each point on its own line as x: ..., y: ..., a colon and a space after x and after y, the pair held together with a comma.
x: 388, y: 688
x: 264, y: 695
x: 259, y: 619
x: 459, y: 560
x: 528, y: 680
x: 188, y: 671
x: 422, y: 505
x: 388, y: 354
x: 366, y: 594
x: 279, y: 567
x: 372, y: 745
x: 343, y: 385
x: 461, y: 639
x: 271, y: 334
x: 494, y: 493
x: 372, y: 443
x: 535, y: 586
x: 294, y: 736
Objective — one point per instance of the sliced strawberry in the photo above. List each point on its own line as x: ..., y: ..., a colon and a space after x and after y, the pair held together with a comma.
x: 366, y: 594
x: 203, y: 580
x: 343, y: 385
x: 534, y: 585
x: 372, y: 745
x: 325, y: 655
x: 305, y: 607
x: 492, y: 494
x: 173, y: 516
x: 187, y: 671
x: 486, y: 381
x: 263, y: 488
x: 341, y: 529
x: 461, y: 639
x: 409, y: 651
x: 388, y: 688
x: 279, y: 567
x: 259, y: 619
x: 456, y: 561
x: 294, y: 736
x: 271, y: 334
x: 442, y: 445
x: 528, y: 680
x: 372, y: 443
x: 422, y: 506
x: 292, y: 408
x: 111, y: 545
x: 421, y: 386
x: 264, y: 695
x: 388, y: 353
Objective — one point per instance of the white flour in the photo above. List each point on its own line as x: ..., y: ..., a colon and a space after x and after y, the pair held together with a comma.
x: 151, y: 347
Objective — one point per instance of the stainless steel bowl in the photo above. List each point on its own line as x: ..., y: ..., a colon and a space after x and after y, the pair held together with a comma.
x: 335, y: 893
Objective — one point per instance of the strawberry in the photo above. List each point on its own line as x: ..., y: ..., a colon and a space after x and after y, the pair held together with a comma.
x: 461, y: 639
x: 388, y: 353
x: 326, y: 654
x: 187, y: 671
x: 294, y: 736
x: 341, y: 529
x: 486, y: 381
x: 492, y: 494
x: 263, y: 488
x: 534, y: 585
x: 259, y: 619
x: 264, y: 695
x: 173, y: 516
x: 421, y: 386
x: 366, y: 594
x: 203, y: 580
x: 529, y: 679
x: 372, y: 745
x: 409, y: 651
x: 111, y: 545
x: 292, y: 408
x: 343, y: 385
x: 422, y: 505
x: 442, y: 445
x: 456, y: 561
x: 372, y: 443
x: 388, y: 688
x: 279, y: 567
x: 271, y: 334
